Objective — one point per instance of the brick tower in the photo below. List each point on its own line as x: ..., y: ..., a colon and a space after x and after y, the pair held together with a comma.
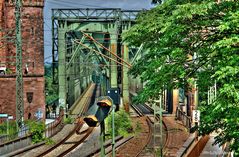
x: 32, y: 58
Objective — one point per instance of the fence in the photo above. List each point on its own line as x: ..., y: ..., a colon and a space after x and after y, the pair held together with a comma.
x: 55, y: 126
x: 51, y: 129
x: 197, y: 149
x: 186, y: 120
x: 22, y: 133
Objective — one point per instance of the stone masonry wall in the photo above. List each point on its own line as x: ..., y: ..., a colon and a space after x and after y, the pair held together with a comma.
x: 32, y: 37
x: 33, y: 56
x: 8, y: 96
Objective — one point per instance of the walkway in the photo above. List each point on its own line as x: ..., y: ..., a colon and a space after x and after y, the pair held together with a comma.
x: 211, y: 150
x: 177, y: 135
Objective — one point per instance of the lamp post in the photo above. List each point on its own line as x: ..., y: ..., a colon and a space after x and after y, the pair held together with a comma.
x: 102, y: 139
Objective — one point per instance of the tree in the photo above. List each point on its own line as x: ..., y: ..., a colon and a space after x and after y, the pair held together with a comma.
x: 50, y: 88
x: 193, y: 40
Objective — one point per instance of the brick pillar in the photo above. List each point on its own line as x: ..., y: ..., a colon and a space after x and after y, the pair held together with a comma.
x: 2, y: 30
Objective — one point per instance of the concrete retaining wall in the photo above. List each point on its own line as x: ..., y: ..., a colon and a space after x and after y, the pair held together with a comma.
x: 14, y: 145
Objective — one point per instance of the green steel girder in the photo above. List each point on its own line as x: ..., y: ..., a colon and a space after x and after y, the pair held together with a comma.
x: 138, y: 54
x: 92, y: 14
x: 83, y: 15
x: 86, y: 65
x: 102, y: 59
x: 74, y: 54
x: 62, y: 66
x: 114, y: 33
x: 80, y: 62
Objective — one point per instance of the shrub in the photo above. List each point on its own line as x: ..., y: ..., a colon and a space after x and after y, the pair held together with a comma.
x: 37, y: 130
x: 123, y: 125
x: 12, y: 128
x: 68, y: 120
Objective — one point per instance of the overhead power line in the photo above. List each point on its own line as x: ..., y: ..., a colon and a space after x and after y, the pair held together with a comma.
x: 103, y: 55
x: 106, y: 49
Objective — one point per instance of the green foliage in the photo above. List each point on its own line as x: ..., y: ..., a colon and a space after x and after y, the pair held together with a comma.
x: 49, y: 141
x: 50, y: 88
x: 37, y: 130
x: 12, y: 128
x: 123, y: 124
x: 193, y: 39
x: 68, y: 120
x: 138, y: 127
x: 8, y: 71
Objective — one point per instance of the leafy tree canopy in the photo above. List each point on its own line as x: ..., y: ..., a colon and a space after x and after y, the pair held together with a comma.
x: 50, y: 88
x: 196, y: 39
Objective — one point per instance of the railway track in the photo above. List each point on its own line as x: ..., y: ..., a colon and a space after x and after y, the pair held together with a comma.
x: 68, y: 144
x: 145, y: 110
x: 75, y: 136
x: 142, y: 110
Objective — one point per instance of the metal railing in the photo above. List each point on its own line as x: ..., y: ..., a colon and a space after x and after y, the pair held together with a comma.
x: 51, y: 129
x: 55, y: 126
x: 186, y: 120
x: 22, y: 133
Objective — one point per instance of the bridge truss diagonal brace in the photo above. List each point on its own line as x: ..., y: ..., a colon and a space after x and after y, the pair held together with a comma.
x: 75, y: 52
x: 103, y: 59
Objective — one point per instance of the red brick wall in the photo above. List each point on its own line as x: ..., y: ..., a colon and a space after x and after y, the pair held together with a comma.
x: 33, y: 56
x: 8, y: 95
x: 32, y: 36
x: 2, y: 51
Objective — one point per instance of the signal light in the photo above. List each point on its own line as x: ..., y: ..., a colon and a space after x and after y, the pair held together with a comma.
x: 98, y: 112
x: 91, y: 120
x: 104, y: 103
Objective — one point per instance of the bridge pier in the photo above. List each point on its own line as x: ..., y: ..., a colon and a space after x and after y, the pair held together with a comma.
x: 125, y: 78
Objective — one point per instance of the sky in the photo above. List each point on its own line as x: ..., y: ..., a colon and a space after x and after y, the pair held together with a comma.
x: 49, y: 4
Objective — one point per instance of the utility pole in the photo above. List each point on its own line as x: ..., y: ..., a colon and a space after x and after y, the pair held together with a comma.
x: 158, y: 110
x: 19, y: 78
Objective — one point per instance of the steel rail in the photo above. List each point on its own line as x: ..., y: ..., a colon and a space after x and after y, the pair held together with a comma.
x: 75, y: 131
x: 87, y: 134
x: 62, y: 141
x: 137, y: 110
x: 149, y: 125
x: 149, y: 121
x: 78, y: 125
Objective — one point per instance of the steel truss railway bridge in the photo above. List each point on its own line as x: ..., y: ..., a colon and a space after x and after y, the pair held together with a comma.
x: 88, y: 46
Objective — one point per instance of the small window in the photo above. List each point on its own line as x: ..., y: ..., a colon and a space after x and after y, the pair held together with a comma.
x: 32, y: 30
